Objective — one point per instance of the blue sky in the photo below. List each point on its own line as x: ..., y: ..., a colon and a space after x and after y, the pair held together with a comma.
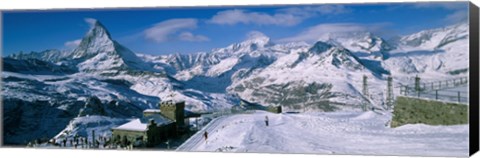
x: 193, y: 29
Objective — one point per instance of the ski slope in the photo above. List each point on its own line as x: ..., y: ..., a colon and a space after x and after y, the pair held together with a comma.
x: 362, y: 133
x: 197, y: 139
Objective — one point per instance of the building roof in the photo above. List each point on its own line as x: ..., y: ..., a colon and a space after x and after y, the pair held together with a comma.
x: 134, y: 125
x: 141, y: 124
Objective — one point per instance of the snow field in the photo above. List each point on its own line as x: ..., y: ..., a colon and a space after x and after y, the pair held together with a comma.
x: 329, y: 133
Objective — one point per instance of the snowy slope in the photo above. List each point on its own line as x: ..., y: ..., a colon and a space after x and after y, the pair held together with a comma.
x: 40, y: 106
x: 362, y: 133
x: 443, y: 51
x: 83, y: 127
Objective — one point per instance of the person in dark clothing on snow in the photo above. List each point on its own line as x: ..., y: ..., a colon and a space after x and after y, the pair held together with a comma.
x: 205, y: 135
x: 266, y: 120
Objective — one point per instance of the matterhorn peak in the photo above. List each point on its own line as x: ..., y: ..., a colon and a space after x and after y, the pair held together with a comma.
x: 98, y: 51
x: 98, y: 30
x: 97, y: 40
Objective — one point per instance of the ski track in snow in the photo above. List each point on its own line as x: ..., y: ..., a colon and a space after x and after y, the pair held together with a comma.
x: 328, y: 133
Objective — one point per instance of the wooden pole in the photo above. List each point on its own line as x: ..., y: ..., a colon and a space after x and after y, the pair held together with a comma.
x: 436, y: 94
x: 459, y: 96
x: 417, y: 83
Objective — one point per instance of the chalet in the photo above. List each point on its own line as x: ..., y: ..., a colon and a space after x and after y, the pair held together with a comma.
x: 156, y: 126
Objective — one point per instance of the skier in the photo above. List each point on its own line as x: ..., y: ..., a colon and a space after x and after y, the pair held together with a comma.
x: 65, y: 142
x: 81, y: 141
x: 205, y: 135
x: 387, y: 123
x: 76, y: 139
x: 266, y: 120
x: 97, y: 144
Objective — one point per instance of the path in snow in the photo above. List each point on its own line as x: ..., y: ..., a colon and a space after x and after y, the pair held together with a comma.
x: 197, y: 139
x: 328, y: 133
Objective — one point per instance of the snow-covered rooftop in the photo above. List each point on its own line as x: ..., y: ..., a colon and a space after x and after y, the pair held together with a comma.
x: 134, y: 125
x: 141, y: 124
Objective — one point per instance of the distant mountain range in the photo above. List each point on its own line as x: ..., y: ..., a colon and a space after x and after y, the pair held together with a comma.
x: 43, y: 92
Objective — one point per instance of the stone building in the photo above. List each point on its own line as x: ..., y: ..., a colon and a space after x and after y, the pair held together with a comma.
x: 156, y: 126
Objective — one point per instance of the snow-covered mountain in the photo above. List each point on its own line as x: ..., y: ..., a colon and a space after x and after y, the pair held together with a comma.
x: 435, y: 38
x: 360, y: 42
x: 320, y: 78
x: 433, y: 53
x: 51, y: 55
x: 103, y: 79
x: 99, y: 52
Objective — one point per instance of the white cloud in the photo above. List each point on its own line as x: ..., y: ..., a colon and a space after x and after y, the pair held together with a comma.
x: 458, y: 16
x: 459, y: 9
x: 318, y: 10
x: 444, y: 5
x: 255, y: 34
x: 165, y: 31
x: 316, y: 32
x: 282, y: 17
x: 235, y: 16
x: 72, y: 44
x: 330, y: 9
x: 188, y: 36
